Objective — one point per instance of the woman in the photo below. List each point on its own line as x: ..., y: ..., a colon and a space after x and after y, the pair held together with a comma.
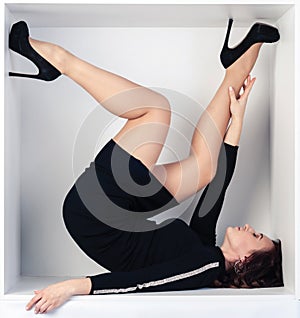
x: 108, y: 208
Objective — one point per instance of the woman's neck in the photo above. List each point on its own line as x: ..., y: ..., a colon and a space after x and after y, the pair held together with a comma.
x: 228, y: 258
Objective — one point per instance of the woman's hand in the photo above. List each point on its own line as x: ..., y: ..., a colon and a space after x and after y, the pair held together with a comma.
x: 237, y: 109
x: 55, y: 295
x: 238, y: 104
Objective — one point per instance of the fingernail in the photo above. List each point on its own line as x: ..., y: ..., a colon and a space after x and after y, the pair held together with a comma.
x: 230, y: 88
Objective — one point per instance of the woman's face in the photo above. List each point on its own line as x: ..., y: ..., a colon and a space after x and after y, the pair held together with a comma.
x: 245, y: 240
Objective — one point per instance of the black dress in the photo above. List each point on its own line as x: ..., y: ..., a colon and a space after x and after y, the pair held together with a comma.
x: 107, y: 213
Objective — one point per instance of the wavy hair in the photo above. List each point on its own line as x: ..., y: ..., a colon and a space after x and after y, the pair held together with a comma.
x: 260, y: 269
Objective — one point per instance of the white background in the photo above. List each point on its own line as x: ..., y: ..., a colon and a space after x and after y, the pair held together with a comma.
x: 182, y: 60
x: 51, y: 114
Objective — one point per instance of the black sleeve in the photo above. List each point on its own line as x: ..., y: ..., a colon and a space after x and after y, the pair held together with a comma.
x: 197, y: 268
x: 207, y: 211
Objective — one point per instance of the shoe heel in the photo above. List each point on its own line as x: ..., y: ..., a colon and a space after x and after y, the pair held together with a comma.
x: 225, y: 52
x: 230, y: 22
x: 49, y: 76
x: 22, y: 75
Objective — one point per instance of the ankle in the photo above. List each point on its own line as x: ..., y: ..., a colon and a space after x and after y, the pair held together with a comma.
x: 61, y: 57
x: 246, y: 62
x: 58, y: 57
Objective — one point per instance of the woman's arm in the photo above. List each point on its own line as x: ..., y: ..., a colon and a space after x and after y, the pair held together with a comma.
x: 208, y: 209
x: 233, y: 133
x: 197, y: 268
x: 194, y: 269
x: 209, y: 206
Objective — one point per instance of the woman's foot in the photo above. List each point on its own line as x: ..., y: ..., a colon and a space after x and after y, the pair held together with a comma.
x: 243, y: 66
x: 259, y: 33
x: 19, y: 43
x: 53, y: 53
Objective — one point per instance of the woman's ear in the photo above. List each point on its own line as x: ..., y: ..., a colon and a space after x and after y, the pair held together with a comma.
x: 239, y: 264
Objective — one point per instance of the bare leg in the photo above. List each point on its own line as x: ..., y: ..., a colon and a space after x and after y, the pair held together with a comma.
x: 186, y: 177
x: 148, y: 115
x: 147, y: 111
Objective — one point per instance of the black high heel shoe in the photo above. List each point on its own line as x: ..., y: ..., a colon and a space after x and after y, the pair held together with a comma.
x: 258, y: 33
x: 19, y: 42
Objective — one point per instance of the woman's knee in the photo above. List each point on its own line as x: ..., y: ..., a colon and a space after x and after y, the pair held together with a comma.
x: 164, y: 103
x: 161, y: 110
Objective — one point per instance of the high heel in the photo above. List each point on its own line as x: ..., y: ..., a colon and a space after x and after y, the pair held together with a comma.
x: 259, y: 33
x: 19, y: 42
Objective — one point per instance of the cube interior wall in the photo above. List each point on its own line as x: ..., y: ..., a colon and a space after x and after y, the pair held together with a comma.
x: 54, y: 130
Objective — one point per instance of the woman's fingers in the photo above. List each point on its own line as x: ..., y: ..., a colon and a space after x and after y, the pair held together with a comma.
x: 232, y: 94
x: 35, y: 299
x: 44, y: 307
x: 245, y: 90
x: 246, y: 83
x: 39, y: 305
x: 248, y: 79
x: 39, y: 301
x: 248, y: 88
x: 51, y: 297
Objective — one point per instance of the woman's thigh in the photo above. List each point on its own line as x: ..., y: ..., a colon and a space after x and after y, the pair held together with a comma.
x: 183, y: 178
x: 144, y: 137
